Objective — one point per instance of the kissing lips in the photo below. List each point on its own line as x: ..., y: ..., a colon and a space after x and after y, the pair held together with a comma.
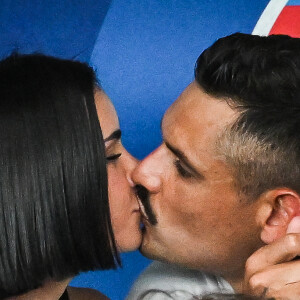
x: 143, y: 211
x: 144, y: 202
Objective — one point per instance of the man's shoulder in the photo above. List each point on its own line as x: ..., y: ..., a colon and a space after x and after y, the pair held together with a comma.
x: 168, y: 278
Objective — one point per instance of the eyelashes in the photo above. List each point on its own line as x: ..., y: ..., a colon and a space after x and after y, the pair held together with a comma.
x: 181, y: 170
x: 113, y: 157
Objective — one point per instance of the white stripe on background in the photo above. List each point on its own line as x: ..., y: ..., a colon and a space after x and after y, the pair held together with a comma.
x: 268, y: 17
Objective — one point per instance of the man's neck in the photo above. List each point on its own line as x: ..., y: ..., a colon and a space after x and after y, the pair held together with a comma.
x: 51, y: 290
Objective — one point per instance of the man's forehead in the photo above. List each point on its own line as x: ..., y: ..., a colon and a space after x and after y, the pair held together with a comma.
x: 195, y: 108
x: 194, y: 122
x: 182, y: 102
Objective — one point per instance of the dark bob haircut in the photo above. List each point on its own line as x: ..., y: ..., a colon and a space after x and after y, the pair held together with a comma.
x: 55, y: 219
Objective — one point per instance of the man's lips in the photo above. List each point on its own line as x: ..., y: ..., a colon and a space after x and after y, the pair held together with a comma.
x: 142, y: 210
x: 147, y: 213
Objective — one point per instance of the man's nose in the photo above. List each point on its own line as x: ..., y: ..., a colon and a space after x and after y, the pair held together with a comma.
x: 149, y: 172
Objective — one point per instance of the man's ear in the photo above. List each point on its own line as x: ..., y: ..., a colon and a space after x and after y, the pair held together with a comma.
x: 278, y: 209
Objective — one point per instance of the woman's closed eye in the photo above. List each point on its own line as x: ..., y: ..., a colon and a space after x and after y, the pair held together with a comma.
x: 113, y: 157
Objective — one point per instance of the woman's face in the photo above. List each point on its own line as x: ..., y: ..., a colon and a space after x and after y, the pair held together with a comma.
x: 124, y: 208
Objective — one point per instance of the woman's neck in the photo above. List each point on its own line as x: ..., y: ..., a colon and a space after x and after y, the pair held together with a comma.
x: 51, y: 290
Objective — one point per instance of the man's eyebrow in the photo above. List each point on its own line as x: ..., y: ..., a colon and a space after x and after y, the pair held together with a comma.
x: 116, y: 135
x: 183, y: 158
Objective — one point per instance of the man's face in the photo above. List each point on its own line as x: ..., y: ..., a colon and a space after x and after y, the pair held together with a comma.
x: 201, y: 220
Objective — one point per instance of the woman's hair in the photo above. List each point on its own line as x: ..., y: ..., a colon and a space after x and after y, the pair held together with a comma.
x: 54, y: 211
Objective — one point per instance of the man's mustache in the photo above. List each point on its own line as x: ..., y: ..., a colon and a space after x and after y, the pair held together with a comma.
x: 143, y: 195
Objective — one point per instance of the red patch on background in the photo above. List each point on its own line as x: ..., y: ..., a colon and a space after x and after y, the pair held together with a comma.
x: 288, y: 22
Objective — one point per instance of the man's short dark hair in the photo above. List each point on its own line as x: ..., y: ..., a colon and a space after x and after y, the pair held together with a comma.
x: 260, y: 78
x: 54, y: 211
x: 182, y: 294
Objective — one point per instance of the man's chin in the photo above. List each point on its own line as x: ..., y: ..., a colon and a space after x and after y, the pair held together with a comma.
x: 152, y: 250
x: 151, y: 254
x: 147, y: 248
x: 151, y: 247
x: 144, y: 250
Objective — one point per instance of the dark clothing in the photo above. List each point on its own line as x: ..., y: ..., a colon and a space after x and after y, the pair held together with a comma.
x: 64, y: 296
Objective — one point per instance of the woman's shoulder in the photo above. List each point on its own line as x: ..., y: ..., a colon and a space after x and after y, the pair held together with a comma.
x: 85, y: 294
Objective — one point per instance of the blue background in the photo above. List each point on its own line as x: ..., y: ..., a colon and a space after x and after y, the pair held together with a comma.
x: 144, y: 53
x: 293, y: 2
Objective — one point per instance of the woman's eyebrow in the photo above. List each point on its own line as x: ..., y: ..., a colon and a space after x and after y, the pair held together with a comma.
x: 116, y: 135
